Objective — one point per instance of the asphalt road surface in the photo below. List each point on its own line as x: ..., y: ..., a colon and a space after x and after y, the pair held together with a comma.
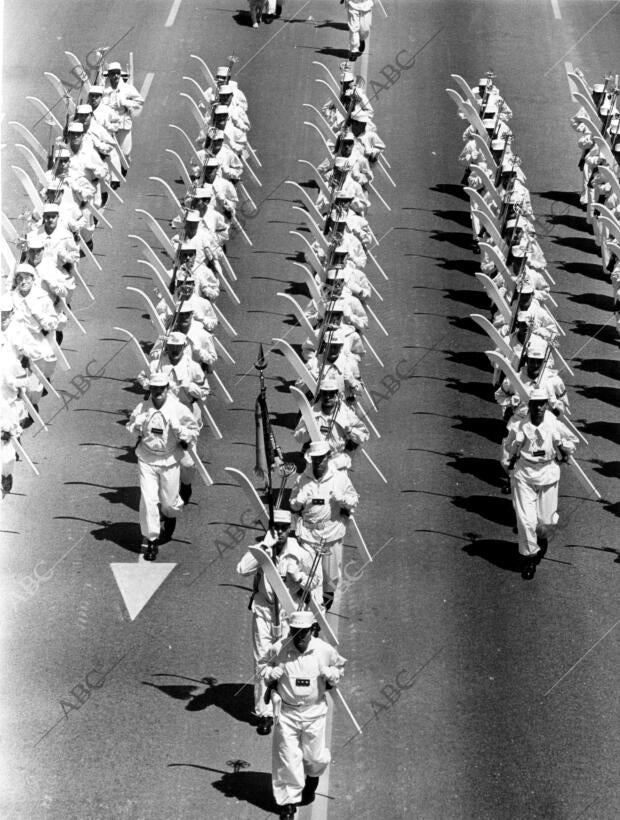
x: 482, y: 695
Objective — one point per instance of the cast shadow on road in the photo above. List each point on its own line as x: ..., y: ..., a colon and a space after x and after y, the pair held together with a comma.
x: 498, y: 509
x: 340, y: 53
x: 489, y: 428
x: 600, y: 301
x: 480, y: 390
x: 485, y: 469
x: 605, y: 367
x: 475, y: 359
x: 473, y: 298
x: 500, y: 553
x: 128, y: 496
x: 568, y: 197
x: 609, y: 395
x: 587, y: 269
x: 450, y: 189
x: 461, y: 240
x: 577, y: 243
x: 249, y: 787
x: 467, y: 266
x: 460, y: 217
x: 611, y: 550
x: 604, y: 333
x: 604, y: 429
x: 609, y: 469
x: 236, y: 699
x: 124, y: 534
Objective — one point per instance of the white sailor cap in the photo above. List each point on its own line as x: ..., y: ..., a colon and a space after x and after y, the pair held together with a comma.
x: 159, y: 380
x: 192, y: 216
x: 342, y: 163
x: 347, y: 76
x: 226, y: 89
x: 329, y: 385
x: 222, y: 71
x: 187, y: 247
x: 176, y: 338
x: 334, y: 275
x: 220, y: 110
x: 34, y: 241
x: 303, y: 619
x: 95, y: 89
x: 282, y: 517
x: 523, y: 317
x: 84, y: 108
x: 204, y: 192
x: 361, y: 115
x: 51, y: 208
x: 526, y: 287
x: 538, y: 394
x: 498, y: 144
x: 75, y: 128
x: 317, y: 449
x: 536, y: 347
x: 348, y: 136
x: 25, y: 270
x: 215, y: 134
x: 341, y: 250
x: 114, y: 66
x: 212, y: 162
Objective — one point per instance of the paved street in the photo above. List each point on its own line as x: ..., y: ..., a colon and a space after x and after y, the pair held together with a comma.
x: 482, y: 696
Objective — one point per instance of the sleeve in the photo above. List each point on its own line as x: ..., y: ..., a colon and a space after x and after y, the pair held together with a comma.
x: 345, y: 493
x: 187, y: 430
x: 564, y: 438
x: 298, y: 495
x: 247, y: 565
x: 355, y: 429
x: 138, y: 417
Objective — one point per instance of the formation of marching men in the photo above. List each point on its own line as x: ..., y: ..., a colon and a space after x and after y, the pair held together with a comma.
x: 598, y: 124
x: 68, y: 186
x: 298, y: 566
x: 185, y: 315
x: 527, y: 361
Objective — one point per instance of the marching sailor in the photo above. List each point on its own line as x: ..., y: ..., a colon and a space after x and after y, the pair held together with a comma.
x: 164, y: 428
x: 294, y: 564
x: 534, y: 450
x: 324, y: 498
x: 298, y: 671
x: 125, y: 101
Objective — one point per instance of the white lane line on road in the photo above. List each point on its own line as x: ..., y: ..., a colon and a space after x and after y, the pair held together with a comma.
x: 556, y: 9
x: 583, y: 37
x: 173, y: 13
x: 146, y: 85
x: 585, y: 654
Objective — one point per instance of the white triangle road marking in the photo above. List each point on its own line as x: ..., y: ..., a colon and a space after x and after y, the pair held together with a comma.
x: 139, y: 582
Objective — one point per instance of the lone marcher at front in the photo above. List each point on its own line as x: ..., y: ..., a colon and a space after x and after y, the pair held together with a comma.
x: 359, y: 20
x: 534, y: 450
x: 165, y: 429
x: 299, y: 670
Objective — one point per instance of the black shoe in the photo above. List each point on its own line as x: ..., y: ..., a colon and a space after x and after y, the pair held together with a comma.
x: 328, y: 600
x: 287, y: 812
x: 543, y: 543
x: 168, y: 526
x: 115, y: 184
x: 59, y: 337
x: 264, y: 725
x: 185, y: 492
x: 7, y: 484
x: 353, y: 55
x: 307, y: 795
x: 150, y: 553
x: 362, y: 46
x: 529, y: 568
x: 89, y: 244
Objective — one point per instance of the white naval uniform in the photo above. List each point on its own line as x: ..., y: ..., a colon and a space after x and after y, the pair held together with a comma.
x: 293, y: 565
x: 319, y: 503
x: 359, y: 20
x: 159, y: 456
x: 536, y: 476
x: 299, y: 734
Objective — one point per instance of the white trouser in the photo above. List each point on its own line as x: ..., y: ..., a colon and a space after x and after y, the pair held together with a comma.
x: 8, y: 458
x: 262, y: 639
x: 158, y: 485
x: 298, y: 750
x: 332, y: 567
x: 188, y: 468
x: 359, y: 27
x: 123, y: 135
x: 536, y: 509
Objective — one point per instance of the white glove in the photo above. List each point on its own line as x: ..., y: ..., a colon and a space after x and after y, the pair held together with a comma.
x: 330, y: 673
x: 276, y: 673
x: 194, y: 390
x: 270, y: 539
